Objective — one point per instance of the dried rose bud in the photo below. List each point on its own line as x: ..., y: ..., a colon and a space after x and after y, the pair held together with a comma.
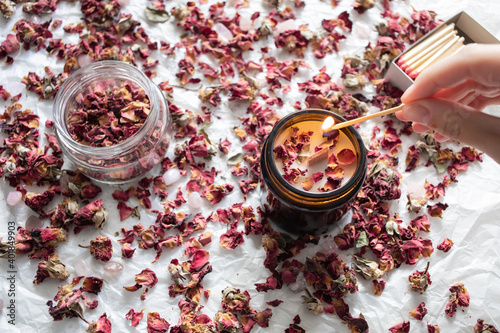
x: 368, y: 268
x: 266, y: 27
x: 180, y: 12
x: 71, y: 206
x: 420, y: 280
x: 50, y: 268
x: 100, y: 217
x: 9, y: 168
x: 313, y: 304
x: 91, y: 214
x: 178, y: 273
x: 7, y: 8
x: 481, y: 327
x: 100, y: 248
x: 233, y: 300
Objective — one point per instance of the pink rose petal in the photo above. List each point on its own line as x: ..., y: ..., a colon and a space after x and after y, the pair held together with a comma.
x: 346, y: 156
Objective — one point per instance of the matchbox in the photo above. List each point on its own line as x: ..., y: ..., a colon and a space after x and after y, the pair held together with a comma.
x: 466, y: 27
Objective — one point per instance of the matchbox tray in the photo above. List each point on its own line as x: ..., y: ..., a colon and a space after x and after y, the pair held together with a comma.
x: 466, y: 26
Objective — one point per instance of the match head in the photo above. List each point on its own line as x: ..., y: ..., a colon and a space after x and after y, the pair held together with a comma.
x: 413, y: 75
x: 401, y: 61
x: 404, y: 66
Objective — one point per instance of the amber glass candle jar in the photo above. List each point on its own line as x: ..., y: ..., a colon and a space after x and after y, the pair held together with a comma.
x: 292, y: 208
x: 131, y: 157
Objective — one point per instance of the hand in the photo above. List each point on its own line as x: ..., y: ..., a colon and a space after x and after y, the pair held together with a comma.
x: 448, y: 97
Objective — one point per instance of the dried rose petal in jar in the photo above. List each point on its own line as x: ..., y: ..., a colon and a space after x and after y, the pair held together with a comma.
x: 112, y: 122
x: 108, y: 114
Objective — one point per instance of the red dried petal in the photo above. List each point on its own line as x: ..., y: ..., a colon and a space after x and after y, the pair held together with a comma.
x: 103, y: 325
x: 446, y: 245
x: 403, y: 327
x: 419, y: 312
x: 92, y: 285
x: 156, y: 324
x: 200, y: 258
x: 134, y: 317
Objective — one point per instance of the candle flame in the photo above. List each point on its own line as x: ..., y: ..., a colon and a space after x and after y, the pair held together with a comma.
x: 327, y: 124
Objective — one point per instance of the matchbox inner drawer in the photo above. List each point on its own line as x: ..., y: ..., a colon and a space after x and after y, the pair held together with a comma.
x: 465, y: 26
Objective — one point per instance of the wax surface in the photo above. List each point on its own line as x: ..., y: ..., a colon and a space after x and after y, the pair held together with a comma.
x: 342, y: 142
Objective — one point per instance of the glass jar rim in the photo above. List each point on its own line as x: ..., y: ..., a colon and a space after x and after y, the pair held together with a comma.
x: 289, y: 120
x: 102, y: 70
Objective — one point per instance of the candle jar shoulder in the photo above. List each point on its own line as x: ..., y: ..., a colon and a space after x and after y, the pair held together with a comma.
x: 143, y: 124
x: 294, y: 209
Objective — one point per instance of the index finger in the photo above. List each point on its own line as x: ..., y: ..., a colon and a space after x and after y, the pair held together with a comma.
x: 478, y: 62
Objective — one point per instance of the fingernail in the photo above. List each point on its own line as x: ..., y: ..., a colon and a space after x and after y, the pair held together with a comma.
x: 416, y: 113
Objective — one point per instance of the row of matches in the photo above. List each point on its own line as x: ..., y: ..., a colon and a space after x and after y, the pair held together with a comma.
x: 443, y: 43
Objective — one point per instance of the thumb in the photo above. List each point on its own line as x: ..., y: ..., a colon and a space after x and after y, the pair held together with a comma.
x: 457, y: 122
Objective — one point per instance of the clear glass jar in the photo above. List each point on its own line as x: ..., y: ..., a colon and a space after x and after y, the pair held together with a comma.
x: 126, y: 160
x: 295, y: 210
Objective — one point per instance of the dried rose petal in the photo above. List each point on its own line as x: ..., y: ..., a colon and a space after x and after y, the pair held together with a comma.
x: 226, y: 322
x: 103, y: 325
x: 446, y: 245
x: 437, y: 209
x: 346, y: 156
x: 156, y: 324
x: 433, y: 328
x: 295, y: 328
x: 459, y: 297
x: 92, y: 285
x: 420, y: 280
x: 378, y: 287
x: 134, y: 317
x: 403, y: 327
x: 127, y: 251
x: 147, y: 278
x: 200, y: 258
x: 108, y: 115
x: 419, y: 312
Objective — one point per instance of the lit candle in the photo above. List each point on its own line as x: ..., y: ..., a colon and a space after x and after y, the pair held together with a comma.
x: 313, y: 158
x: 310, y: 171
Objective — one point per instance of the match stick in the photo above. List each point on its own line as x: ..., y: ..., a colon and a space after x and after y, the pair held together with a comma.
x: 444, y: 29
x: 417, y: 60
x: 370, y: 116
x: 453, y: 45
